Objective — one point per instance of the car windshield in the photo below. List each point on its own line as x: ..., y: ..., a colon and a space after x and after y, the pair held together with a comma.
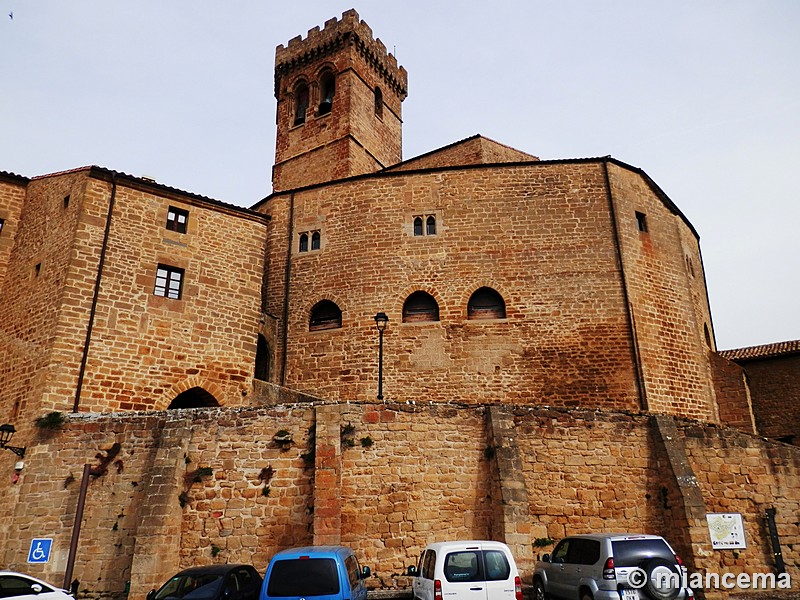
x: 631, y: 553
x: 198, y: 586
x: 303, y: 577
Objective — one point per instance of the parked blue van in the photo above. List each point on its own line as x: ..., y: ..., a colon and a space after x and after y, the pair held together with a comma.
x: 318, y: 572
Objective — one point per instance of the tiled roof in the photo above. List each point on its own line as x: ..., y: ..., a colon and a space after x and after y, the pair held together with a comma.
x: 763, y: 351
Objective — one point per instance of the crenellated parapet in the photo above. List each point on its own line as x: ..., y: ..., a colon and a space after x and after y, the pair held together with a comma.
x: 336, y: 34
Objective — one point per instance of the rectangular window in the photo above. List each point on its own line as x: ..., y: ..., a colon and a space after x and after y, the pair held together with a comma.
x: 169, y: 282
x: 641, y: 222
x: 177, y: 219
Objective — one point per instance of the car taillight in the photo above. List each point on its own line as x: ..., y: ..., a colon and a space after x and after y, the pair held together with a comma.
x: 608, y: 569
x: 517, y: 588
x: 680, y: 562
x: 437, y: 589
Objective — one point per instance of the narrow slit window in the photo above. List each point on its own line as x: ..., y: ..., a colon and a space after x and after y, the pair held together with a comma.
x: 303, y: 242
x: 66, y: 201
x: 177, y: 219
x: 2, y: 221
x: 169, y: 282
x: 315, y: 240
x: 641, y: 222
x: 378, y: 103
x: 418, y: 226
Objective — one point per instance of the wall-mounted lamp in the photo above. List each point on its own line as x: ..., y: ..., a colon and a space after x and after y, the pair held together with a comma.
x: 6, y: 432
x: 381, y: 321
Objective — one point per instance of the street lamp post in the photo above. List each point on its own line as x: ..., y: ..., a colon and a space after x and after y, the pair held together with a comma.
x: 381, y: 320
x: 6, y: 431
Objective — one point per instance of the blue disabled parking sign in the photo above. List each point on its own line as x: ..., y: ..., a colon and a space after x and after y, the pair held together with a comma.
x: 40, y: 550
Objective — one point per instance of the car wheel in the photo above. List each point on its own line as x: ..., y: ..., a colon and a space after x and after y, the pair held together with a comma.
x: 663, y: 580
x: 586, y: 596
x: 538, y: 590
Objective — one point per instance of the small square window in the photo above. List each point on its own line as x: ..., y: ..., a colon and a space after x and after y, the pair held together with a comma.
x: 177, y: 219
x: 169, y: 282
x: 641, y: 222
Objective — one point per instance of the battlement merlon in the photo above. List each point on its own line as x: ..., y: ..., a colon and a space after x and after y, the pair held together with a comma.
x: 335, y: 33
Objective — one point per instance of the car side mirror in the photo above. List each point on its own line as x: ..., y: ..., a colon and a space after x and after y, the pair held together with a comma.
x: 365, y: 572
x: 151, y: 594
x: 545, y: 558
x: 36, y: 588
x: 411, y: 571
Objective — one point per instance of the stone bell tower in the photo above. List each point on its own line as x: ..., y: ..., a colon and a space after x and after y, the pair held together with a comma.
x: 339, y: 98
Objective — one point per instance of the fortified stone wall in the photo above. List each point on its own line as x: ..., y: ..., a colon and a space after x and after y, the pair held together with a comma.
x: 147, y: 349
x: 471, y: 151
x: 543, y: 235
x: 775, y: 390
x: 144, y: 349
x: 46, y: 294
x: 199, y: 486
x: 668, y: 302
x: 12, y: 197
x: 359, y: 135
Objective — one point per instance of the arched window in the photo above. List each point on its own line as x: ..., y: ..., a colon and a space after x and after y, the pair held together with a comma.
x: 430, y: 226
x: 418, y: 226
x: 196, y: 397
x: 327, y: 89
x: 300, y: 103
x: 262, y: 359
x: 378, y: 103
x: 303, y: 242
x: 420, y: 306
x: 315, y: 240
x: 486, y: 303
x: 325, y: 315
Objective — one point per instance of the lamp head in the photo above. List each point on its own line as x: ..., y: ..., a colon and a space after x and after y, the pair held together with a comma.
x: 7, y: 431
x: 381, y: 320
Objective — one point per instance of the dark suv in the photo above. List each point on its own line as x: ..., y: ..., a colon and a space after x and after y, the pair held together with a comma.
x: 620, y: 566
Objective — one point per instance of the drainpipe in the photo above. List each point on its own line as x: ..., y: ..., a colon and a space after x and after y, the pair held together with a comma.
x: 286, y: 286
x: 629, y: 313
x: 93, y: 310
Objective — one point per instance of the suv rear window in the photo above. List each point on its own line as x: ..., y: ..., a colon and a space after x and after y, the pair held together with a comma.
x: 631, y: 553
x: 303, y: 577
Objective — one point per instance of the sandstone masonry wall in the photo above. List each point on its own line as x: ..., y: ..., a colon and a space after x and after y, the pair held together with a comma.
x: 199, y: 486
x: 668, y: 304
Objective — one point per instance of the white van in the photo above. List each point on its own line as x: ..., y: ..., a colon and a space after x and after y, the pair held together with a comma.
x: 466, y: 570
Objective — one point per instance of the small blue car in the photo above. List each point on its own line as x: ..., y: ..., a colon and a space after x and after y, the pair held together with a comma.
x: 318, y: 572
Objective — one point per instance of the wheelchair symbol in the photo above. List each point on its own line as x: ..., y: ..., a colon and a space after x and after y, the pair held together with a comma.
x: 40, y: 550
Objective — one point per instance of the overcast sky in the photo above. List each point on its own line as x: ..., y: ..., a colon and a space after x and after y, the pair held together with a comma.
x: 704, y: 96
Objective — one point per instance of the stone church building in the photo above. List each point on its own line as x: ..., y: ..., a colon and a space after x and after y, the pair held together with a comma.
x: 210, y: 384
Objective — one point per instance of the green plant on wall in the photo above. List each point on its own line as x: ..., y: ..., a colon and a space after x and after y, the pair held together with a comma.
x: 52, y: 420
x: 190, y: 478
x: 543, y: 542
x: 215, y: 550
